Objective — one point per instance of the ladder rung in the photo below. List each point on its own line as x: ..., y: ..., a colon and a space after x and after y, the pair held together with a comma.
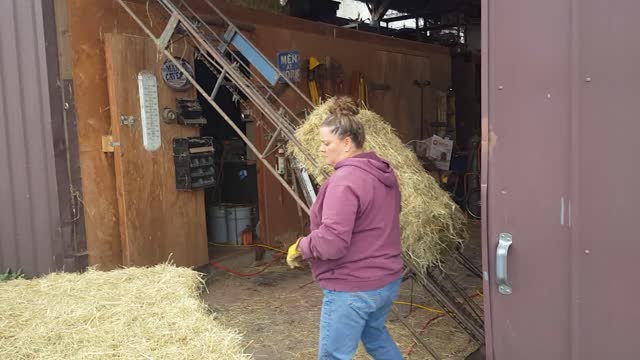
x: 265, y: 153
x: 218, y: 83
x: 168, y: 31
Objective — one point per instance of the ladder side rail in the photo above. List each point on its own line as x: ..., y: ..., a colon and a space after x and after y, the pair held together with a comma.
x: 246, y: 86
x: 224, y: 18
x: 229, y: 23
x: 215, y: 106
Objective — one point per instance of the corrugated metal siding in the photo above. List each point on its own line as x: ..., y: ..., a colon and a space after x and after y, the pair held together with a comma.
x: 30, y: 235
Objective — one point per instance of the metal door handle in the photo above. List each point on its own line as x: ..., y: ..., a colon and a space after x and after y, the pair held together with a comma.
x: 504, y: 241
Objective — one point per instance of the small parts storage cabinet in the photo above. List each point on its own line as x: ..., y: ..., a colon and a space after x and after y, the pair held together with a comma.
x: 194, y: 163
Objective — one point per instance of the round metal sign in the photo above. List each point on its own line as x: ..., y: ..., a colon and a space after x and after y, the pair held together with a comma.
x: 173, y: 77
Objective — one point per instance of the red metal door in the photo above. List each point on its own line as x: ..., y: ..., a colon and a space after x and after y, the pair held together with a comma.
x: 605, y: 318
x: 560, y: 125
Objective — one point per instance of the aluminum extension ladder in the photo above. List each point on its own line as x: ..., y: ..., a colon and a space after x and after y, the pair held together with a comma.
x: 215, y: 49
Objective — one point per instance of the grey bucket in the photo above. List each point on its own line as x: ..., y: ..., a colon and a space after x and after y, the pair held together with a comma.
x: 239, y: 218
x: 217, y: 224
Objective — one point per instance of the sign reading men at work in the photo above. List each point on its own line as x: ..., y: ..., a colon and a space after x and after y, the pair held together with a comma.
x: 173, y: 77
x: 289, y: 65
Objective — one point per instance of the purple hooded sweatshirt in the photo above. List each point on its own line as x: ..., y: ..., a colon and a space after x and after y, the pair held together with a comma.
x: 354, y: 244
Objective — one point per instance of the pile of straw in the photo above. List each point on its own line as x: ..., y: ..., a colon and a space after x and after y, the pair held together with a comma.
x: 432, y: 224
x: 135, y: 313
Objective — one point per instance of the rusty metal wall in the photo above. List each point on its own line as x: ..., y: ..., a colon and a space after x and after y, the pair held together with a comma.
x: 33, y: 161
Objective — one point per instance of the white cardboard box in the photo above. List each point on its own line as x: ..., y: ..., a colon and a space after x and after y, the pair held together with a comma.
x: 439, y: 150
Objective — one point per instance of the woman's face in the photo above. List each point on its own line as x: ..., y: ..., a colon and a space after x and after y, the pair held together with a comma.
x: 333, y: 148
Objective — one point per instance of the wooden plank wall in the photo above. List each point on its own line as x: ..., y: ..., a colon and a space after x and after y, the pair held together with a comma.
x: 354, y: 50
x: 400, y: 105
x: 156, y: 221
x: 89, y: 21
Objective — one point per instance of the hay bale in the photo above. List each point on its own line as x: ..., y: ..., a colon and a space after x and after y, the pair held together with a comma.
x: 135, y: 313
x: 432, y: 224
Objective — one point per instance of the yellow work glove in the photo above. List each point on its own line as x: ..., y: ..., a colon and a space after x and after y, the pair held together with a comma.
x: 293, y: 255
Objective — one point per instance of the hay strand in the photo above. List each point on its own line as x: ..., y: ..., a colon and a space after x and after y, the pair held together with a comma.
x: 134, y: 313
x: 432, y: 224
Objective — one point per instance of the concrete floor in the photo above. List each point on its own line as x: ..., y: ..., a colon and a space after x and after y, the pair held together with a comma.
x: 278, y: 311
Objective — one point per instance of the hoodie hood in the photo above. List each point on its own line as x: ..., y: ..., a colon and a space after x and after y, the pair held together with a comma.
x: 371, y: 163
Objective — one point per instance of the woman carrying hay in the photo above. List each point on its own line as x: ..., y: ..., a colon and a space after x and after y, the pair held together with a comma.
x: 354, y: 246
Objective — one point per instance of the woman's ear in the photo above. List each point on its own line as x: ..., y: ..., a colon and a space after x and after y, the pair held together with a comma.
x: 348, y: 144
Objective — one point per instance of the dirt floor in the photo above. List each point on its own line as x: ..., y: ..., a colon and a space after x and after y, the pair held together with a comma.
x: 278, y: 311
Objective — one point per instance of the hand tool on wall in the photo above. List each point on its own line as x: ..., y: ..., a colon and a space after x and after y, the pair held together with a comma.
x: 359, y: 91
x: 314, y: 78
x: 421, y: 84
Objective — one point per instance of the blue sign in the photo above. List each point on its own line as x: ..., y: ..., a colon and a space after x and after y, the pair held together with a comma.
x: 289, y: 65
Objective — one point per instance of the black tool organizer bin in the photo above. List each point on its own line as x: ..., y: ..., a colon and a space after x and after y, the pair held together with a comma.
x: 194, y: 163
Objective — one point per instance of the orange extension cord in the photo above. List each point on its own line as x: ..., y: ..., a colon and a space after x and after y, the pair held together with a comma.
x: 276, y: 258
x: 431, y: 321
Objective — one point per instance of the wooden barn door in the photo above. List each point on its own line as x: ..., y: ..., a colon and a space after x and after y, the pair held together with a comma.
x: 157, y: 222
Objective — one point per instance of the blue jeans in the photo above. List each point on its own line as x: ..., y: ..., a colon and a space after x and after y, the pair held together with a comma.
x: 348, y: 317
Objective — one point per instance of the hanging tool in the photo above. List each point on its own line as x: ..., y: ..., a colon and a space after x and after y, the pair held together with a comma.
x: 363, y: 92
x: 421, y: 84
x: 314, y: 78
x: 359, y: 90
x: 338, y: 75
